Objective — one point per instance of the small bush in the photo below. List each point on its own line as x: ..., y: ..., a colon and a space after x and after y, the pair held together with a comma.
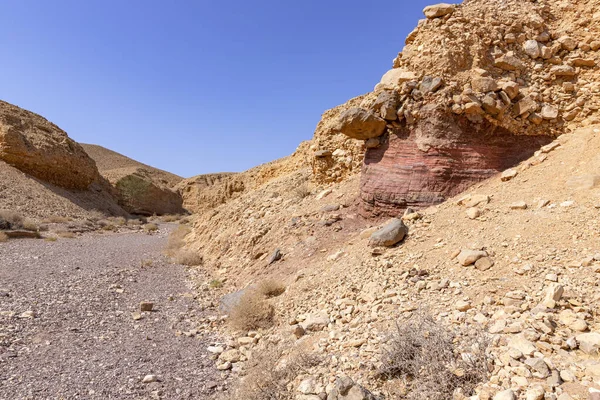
x: 10, y: 220
x: 118, y: 221
x: 150, y: 227
x: 302, y: 191
x: 146, y: 263
x: 30, y: 225
x: 270, y: 373
x: 176, y: 240
x: 424, y: 353
x: 56, y: 219
x: 271, y: 288
x: 216, y: 284
x: 252, y: 312
x: 66, y: 234
x: 3, y: 237
x: 51, y: 239
x: 188, y: 257
x: 170, y: 218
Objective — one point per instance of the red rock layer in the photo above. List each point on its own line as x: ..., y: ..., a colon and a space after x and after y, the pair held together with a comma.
x: 438, y: 157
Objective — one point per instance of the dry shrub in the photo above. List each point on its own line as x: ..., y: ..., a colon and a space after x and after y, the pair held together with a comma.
x: 216, y: 284
x: 302, y: 191
x: 56, y: 219
x: 271, y: 288
x: 170, y: 218
x: 252, y: 312
x: 118, y: 221
x: 30, y: 225
x: 270, y: 372
x: 3, y: 237
x: 66, y: 234
x: 433, y: 364
x: 51, y: 239
x: 188, y: 257
x: 10, y: 220
x: 176, y: 240
x: 146, y: 263
x: 150, y: 227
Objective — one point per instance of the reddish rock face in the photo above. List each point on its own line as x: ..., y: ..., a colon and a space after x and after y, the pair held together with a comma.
x: 438, y: 157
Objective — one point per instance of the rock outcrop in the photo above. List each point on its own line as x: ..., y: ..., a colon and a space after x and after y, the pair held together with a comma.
x: 41, y: 149
x: 478, y: 88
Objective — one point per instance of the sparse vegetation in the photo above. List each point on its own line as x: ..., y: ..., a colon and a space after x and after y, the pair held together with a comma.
x: 302, y: 191
x: 424, y: 353
x: 30, y: 225
x: 176, y: 240
x: 56, y: 219
x: 51, y: 239
x: 146, y: 263
x: 118, y: 221
x: 253, y: 311
x: 3, y: 237
x: 188, y: 257
x: 216, y: 284
x: 270, y: 373
x: 151, y: 227
x: 170, y: 218
x: 271, y: 288
x: 10, y: 220
x: 66, y: 234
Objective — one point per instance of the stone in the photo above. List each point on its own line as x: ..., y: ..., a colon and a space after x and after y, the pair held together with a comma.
x: 468, y: 257
x: 394, y: 78
x: 150, y: 379
x: 567, y: 43
x: 387, y: 103
x: 372, y: 143
x: 232, y: 356
x: 508, y: 175
x: 361, y: 124
x: 505, y: 395
x: 484, y: 263
x: 589, y: 342
x: 438, y: 10
x: 462, y: 305
x: 509, y: 62
x: 567, y: 376
x: 322, y: 153
x: 473, y: 212
x: 532, y: 48
x: 389, y: 235
x: 484, y: 84
x: 523, y: 345
x: 215, y: 349
x: 431, y: 84
x: 146, y: 306
x: 539, y: 367
x: 563, y: 70
x: 315, y: 322
x: 308, y: 386
x: 525, y: 105
x: 276, y: 256
x: 511, y: 88
x: 583, y: 62
x: 519, y: 205
x: 535, y: 393
x: 298, y: 331
x: 549, y: 112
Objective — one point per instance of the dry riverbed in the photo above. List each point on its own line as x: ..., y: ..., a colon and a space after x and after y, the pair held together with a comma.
x: 71, y: 326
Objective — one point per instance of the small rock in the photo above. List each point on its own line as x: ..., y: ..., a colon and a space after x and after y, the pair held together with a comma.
x: 589, y: 342
x: 535, y: 393
x: 462, y: 305
x: 232, y: 356
x: 505, y: 395
x: 473, y: 213
x: 146, y: 306
x: 532, y: 48
x: 519, y: 205
x: 438, y: 10
x: 392, y: 233
x: 150, y: 379
x: 484, y: 263
x: 469, y: 257
x: 298, y: 331
x: 508, y: 175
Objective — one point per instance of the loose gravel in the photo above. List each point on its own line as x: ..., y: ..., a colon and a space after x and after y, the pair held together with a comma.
x: 69, y: 326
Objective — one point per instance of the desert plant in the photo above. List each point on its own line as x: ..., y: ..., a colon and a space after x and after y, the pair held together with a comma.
x: 302, y: 191
x: 188, y: 257
x: 170, y: 218
x: 10, y: 220
x: 150, y: 227
x: 271, y: 288
x: 176, y: 240
x: 251, y: 312
x: 270, y: 373
x: 216, y: 284
x: 56, y: 219
x: 66, y: 234
x: 3, y: 237
x: 425, y: 354
x: 51, y: 239
x: 146, y: 263
x: 118, y: 221
x: 30, y: 225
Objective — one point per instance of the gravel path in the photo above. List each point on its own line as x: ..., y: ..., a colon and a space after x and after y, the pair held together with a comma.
x: 67, y: 327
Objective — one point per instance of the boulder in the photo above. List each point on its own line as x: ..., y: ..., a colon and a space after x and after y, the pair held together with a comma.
x: 394, y: 78
x: 41, y: 149
x: 589, y: 342
x: 509, y: 62
x: 438, y: 10
x: 484, y: 84
x: 431, y: 84
x: 468, y: 257
x: 361, y: 124
x: 532, y: 48
x: 392, y: 233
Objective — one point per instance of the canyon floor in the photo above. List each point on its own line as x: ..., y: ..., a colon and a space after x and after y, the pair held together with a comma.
x: 71, y: 325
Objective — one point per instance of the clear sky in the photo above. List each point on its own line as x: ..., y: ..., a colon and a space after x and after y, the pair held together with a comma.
x: 196, y: 86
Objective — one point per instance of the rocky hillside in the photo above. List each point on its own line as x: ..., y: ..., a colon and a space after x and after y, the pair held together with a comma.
x: 482, y: 135
x: 140, y: 188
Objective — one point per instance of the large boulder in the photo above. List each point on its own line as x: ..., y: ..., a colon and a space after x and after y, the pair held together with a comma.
x: 358, y: 123
x: 438, y: 10
x: 41, y: 149
x: 139, y: 194
x: 390, y: 234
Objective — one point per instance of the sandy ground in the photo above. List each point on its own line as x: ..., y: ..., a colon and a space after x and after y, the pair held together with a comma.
x: 82, y: 341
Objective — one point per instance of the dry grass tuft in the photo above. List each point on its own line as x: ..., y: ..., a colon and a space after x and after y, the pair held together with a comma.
x: 30, y: 225
x: 146, y: 263
x: 150, y: 227
x: 117, y: 221
x: 188, y: 257
x: 176, y: 240
x: 3, y: 237
x: 10, y: 220
x: 424, y: 353
x: 56, y: 219
x: 51, y: 239
x: 302, y: 191
x: 270, y: 373
x: 66, y: 234
x: 271, y: 288
x: 252, y: 312
x: 170, y: 218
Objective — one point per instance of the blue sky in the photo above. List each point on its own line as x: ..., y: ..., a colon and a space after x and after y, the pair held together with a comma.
x: 196, y: 86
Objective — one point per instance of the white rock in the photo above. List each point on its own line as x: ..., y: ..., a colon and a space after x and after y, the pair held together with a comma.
x: 505, y: 395
x: 469, y: 257
x: 150, y: 379
x: 532, y: 48
x: 308, y: 386
x: 523, y: 345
